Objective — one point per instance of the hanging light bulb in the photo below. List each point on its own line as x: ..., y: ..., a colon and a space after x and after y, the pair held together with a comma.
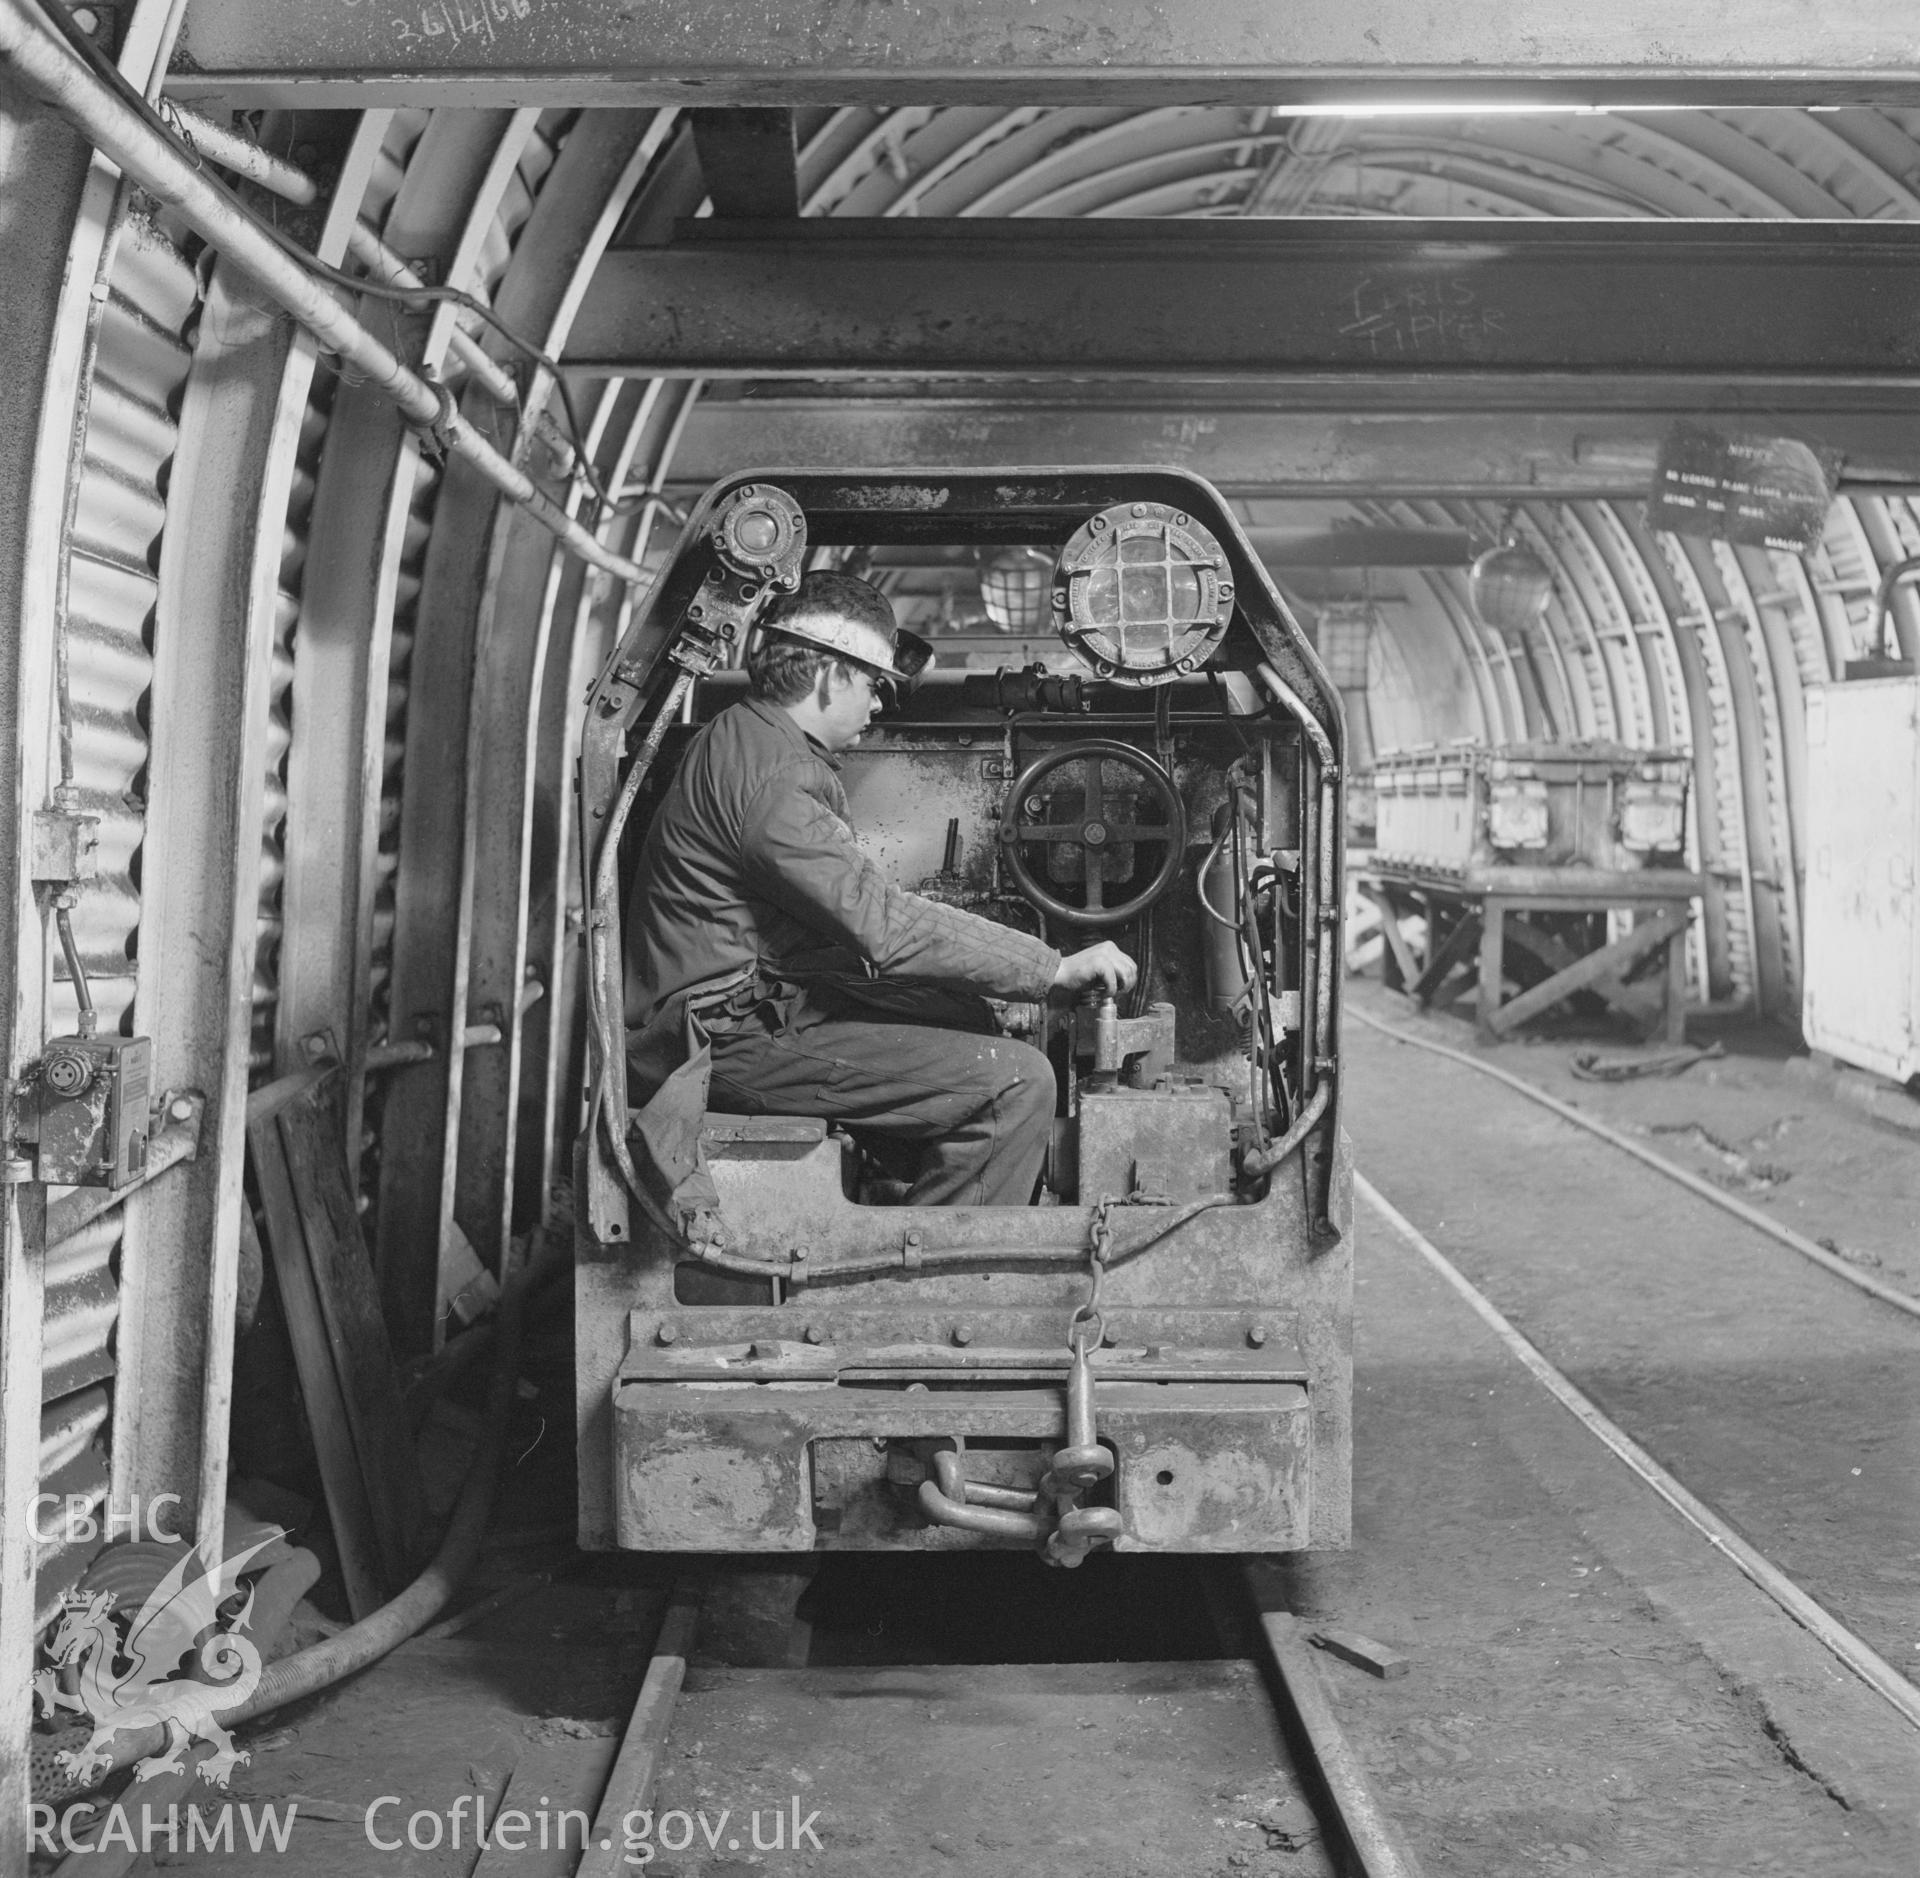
x: 1016, y: 588
x: 1510, y: 586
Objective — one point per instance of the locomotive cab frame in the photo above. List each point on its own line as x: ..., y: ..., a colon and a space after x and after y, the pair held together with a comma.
x: 1156, y: 1355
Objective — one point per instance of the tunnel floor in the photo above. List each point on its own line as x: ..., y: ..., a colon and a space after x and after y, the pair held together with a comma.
x: 1592, y: 1688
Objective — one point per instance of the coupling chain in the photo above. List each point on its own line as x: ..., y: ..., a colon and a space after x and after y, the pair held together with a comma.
x: 1087, y: 1328
x: 1082, y: 1464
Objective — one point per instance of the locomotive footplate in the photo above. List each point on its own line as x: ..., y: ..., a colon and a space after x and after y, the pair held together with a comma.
x: 743, y: 1429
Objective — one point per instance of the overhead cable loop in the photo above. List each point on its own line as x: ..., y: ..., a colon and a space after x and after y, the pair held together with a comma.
x: 56, y: 63
x: 244, y: 158
x: 385, y: 269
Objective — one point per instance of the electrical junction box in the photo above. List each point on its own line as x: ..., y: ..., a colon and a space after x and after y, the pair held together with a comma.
x: 1862, y: 997
x: 91, y: 1110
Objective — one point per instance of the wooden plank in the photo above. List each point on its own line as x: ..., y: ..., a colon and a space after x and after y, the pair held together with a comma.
x: 350, y: 1305
x: 1590, y: 903
x: 1588, y: 886
x: 1674, y: 1028
x: 1440, y: 963
x: 1493, y: 921
x: 1409, y: 966
x: 630, y: 1785
x: 1454, y: 986
x: 347, y: 1507
x: 265, y: 1103
x: 551, y: 1779
x: 1363, y: 1652
x: 1566, y: 889
x: 1608, y: 961
x: 1557, y: 956
x: 1639, y: 1003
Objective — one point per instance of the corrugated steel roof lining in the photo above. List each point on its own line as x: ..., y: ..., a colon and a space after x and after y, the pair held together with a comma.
x: 1856, y: 161
x: 140, y: 361
x: 1615, y: 582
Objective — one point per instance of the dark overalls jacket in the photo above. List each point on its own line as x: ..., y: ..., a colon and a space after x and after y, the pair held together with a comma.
x: 750, y: 886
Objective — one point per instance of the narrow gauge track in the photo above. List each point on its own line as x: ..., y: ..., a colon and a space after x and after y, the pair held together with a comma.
x: 1840, y: 1638
x: 1275, y: 1694
x: 1810, y: 1249
x: 1219, y: 1712
x: 1854, y: 1651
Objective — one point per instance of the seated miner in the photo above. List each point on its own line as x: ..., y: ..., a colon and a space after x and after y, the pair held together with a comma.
x: 759, y: 932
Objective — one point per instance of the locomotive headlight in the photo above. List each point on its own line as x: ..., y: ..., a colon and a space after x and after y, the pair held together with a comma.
x: 1517, y: 814
x: 1653, y: 816
x: 760, y: 532
x: 1143, y: 593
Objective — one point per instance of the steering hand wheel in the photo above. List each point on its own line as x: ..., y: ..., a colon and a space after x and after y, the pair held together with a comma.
x: 1091, y: 831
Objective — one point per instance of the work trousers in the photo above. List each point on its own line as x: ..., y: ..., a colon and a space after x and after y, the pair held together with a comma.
x: 915, y: 1065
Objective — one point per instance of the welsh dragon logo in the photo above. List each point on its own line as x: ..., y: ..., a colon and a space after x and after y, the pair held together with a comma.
x: 130, y: 1682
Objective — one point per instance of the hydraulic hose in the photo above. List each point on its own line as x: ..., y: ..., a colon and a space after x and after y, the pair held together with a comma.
x: 603, y: 942
x: 1267, y: 1159
x: 334, y: 1658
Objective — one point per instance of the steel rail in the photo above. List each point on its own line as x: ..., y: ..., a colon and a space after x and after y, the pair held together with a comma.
x: 1854, y: 1652
x: 1372, y: 1847
x: 47, y: 69
x: 1726, y: 1202
x: 1365, y: 1842
x: 630, y: 1784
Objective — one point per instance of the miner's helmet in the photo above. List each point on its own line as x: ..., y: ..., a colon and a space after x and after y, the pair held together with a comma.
x: 842, y: 614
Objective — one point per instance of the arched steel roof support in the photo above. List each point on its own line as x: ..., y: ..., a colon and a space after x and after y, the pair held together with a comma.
x: 1675, y: 723
x: 429, y: 959
x: 343, y: 659
x: 214, y: 635
x: 1606, y: 624
x: 1721, y: 632
x: 576, y: 609
x: 1780, y: 714
x: 44, y: 175
x: 1891, y: 536
x: 1716, y: 752
x: 427, y: 991
x: 599, y: 167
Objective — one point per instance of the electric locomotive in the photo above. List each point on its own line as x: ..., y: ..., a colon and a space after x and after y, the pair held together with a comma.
x: 1154, y: 1357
